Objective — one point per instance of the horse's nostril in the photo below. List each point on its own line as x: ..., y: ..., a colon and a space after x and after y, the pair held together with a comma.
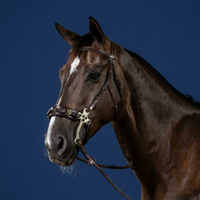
x: 61, y: 145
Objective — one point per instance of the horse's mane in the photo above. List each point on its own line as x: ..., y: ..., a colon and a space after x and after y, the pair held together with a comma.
x: 134, y: 55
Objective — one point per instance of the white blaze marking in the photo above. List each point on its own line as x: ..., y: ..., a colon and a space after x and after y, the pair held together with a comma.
x: 59, y: 100
x: 49, y: 131
x: 74, y: 65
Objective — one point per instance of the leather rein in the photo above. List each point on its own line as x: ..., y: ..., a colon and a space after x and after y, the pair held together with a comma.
x: 84, y: 119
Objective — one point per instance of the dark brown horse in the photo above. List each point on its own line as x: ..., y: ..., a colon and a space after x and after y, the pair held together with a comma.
x: 157, y: 127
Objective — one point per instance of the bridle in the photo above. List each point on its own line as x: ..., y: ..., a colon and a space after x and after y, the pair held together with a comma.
x: 83, y: 117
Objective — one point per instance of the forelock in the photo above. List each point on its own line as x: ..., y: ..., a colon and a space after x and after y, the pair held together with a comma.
x: 85, y: 41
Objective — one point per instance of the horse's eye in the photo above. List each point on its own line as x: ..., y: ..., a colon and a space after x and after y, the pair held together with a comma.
x: 94, y: 76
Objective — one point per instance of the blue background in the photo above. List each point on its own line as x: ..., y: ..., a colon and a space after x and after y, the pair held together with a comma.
x: 164, y: 33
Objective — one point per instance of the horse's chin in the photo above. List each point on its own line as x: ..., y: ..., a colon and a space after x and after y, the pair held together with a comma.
x: 66, y: 161
x: 72, y: 158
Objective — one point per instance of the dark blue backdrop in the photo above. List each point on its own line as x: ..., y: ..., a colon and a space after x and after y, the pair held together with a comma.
x: 167, y: 35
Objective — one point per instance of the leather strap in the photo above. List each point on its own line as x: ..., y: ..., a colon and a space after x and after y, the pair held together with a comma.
x: 99, y: 51
x: 111, y: 70
x: 104, y: 166
x: 63, y: 112
x: 92, y: 162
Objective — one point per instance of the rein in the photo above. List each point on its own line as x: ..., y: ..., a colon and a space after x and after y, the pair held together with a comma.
x: 92, y: 162
x: 83, y: 117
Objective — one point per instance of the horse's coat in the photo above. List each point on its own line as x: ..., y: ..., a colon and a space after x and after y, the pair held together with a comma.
x: 157, y: 127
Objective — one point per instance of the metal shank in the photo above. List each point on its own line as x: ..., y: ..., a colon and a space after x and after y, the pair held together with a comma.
x: 83, y: 119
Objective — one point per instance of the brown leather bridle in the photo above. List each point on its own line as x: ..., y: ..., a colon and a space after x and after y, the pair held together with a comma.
x: 83, y: 117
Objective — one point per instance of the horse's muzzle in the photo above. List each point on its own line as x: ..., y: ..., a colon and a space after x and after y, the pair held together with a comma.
x: 61, y: 153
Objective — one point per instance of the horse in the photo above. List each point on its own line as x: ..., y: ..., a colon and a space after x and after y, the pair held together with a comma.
x: 157, y: 127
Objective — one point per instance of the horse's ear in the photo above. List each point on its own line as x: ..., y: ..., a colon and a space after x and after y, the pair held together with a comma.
x: 96, y: 31
x: 69, y: 36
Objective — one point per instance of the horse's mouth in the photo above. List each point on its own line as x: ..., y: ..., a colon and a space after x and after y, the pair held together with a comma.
x: 66, y: 161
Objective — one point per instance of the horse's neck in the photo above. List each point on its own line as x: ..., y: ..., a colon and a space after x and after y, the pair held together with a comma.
x: 149, y: 100
x: 152, y: 108
x: 148, y: 106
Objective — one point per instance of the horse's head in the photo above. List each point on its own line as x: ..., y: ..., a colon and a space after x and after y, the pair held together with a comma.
x: 89, y: 93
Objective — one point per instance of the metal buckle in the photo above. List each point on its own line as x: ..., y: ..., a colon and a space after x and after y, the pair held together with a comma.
x: 112, y: 57
x: 91, y: 161
x: 69, y: 112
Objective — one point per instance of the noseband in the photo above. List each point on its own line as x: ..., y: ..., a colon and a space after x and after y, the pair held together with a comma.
x: 83, y: 117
